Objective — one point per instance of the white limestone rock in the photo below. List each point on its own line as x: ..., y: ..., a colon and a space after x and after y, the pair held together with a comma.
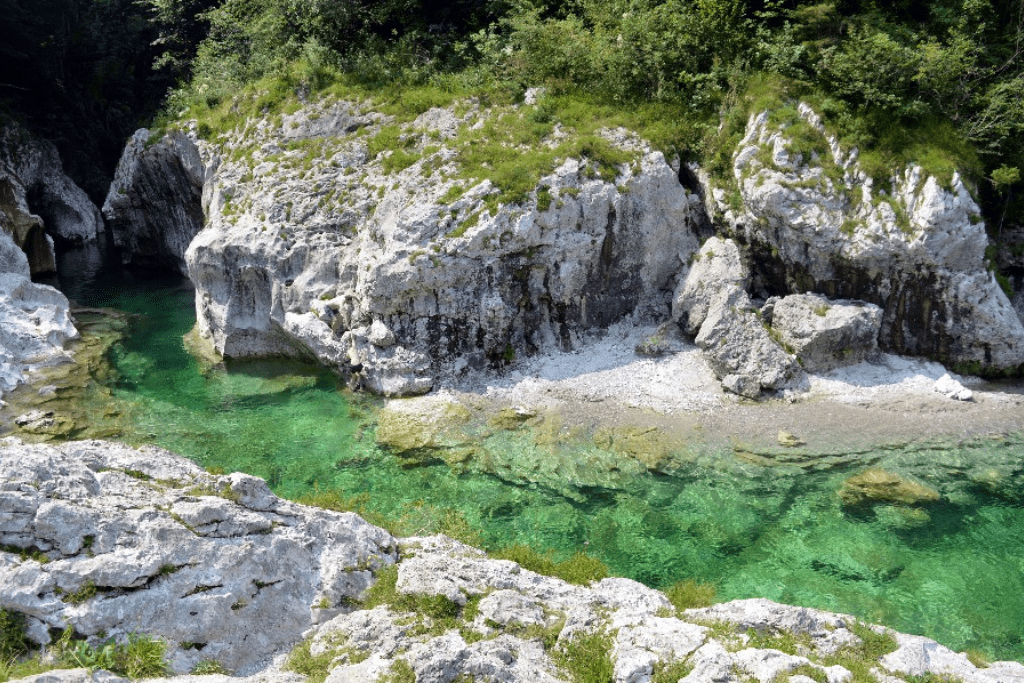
x: 456, y: 283
x: 146, y: 541
x: 154, y: 206
x: 953, y: 389
x: 31, y: 166
x: 712, y: 303
x: 164, y: 548
x: 824, y: 333
x: 35, y: 323
x: 718, y: 270
x: 913, y: 246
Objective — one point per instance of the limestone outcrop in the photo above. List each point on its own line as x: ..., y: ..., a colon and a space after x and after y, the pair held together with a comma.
x: 824, y: 333
x: 116, y: 540
x: 813, y: 221
x: 154, y: 207
x: 146, y: 541
x: 395, y: 267
x: 35, y: 323
x: 713, y: 304
x: 38, y: 202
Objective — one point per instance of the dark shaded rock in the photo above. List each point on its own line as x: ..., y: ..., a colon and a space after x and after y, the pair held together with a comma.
x: 154, y: 207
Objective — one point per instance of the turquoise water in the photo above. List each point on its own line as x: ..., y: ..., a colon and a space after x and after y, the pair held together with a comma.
x: 953, y: 572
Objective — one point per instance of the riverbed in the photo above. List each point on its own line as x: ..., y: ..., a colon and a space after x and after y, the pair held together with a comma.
x: 725, y: 502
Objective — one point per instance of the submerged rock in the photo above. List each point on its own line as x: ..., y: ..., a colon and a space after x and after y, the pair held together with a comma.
x: 881, y: 486
x: 154, y: 207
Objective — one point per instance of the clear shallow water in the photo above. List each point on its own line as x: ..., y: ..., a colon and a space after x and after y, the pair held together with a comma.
x: 955, y: 574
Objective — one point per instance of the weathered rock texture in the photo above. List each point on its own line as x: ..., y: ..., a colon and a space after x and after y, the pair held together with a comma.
x: 712, y: 303
x: 403, y: 275
x: 154, y: 207
x: 37, y: 201
x: 34, y: 320
x: 825, y: 334
x: 814, y: 222
x: 142, y: 540
x: 146, y: 541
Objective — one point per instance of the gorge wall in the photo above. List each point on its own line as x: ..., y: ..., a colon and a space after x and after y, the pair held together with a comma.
x: 373, y: 245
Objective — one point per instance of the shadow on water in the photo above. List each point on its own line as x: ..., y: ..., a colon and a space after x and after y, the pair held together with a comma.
x: 944, y: 569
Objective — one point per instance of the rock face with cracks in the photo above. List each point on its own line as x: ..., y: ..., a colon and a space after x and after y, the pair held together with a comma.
x: 38, y: 202
x: 143, y: 540
x: 401, y: 272
x: 915, y: 245
x: 154, y: 206
x: 146, y: 541
x: 712, y: 303
x: 825, y: 334
x: 35, y: 323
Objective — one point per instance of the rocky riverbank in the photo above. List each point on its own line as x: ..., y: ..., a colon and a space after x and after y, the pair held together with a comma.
x: 109, y: 540
x: 381, y: 246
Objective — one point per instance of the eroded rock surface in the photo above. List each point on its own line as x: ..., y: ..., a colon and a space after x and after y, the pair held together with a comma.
x: 913, y: 246
x: 712, y: 303
x: 35, y: 323
x: 38, y: 202
x: 402, y: 275
x: 825, y: 334
x: 154, y: 207
x: 146, y: 541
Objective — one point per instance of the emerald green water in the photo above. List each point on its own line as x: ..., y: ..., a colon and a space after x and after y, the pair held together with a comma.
x: 955, y: 574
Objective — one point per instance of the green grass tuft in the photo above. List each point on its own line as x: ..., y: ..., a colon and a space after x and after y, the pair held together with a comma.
x: 689, y: 594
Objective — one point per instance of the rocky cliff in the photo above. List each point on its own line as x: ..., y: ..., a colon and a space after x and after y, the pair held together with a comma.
x: 38, y: 202
x: 110, y: 540
x: 811, y: 220
x: 375, y: 246
x: 154, y: 206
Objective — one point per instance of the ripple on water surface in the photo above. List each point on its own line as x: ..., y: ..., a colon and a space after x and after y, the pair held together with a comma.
x: 952, y: 570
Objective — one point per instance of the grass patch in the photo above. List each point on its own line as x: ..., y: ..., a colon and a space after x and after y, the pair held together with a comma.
x: 689, y: 594
x: 671, y: 672
x: 580, y: 569
x: 385, y: 592
x: 209, y: 667
x: 314, y: 667
x: 400, y: 672
x: 13, y: 641
x: 587, y: 658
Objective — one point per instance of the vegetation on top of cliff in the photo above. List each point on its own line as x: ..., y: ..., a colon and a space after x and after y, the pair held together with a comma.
x: 935, y: 83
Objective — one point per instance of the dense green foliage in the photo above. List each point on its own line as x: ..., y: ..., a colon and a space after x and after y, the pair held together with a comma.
x: 939, y: 83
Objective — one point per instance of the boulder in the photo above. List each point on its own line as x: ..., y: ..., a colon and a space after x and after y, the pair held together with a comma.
x: 411, y: 273
x: 154, y: 206
x: 717, y: 270
x: 712, y: 303
x: 812, y: 220
x: 876, y: 485
x: 35, y: 323
x: 825, y: 333
x: 740, y: 350
x: 146, y: 541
